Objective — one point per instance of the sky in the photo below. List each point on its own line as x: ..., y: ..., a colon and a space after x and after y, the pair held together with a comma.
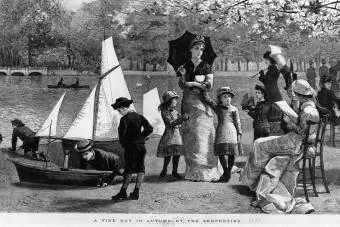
x: 74, y: 4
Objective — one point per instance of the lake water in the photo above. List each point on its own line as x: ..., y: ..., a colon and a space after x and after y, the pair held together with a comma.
x: 29, y: 99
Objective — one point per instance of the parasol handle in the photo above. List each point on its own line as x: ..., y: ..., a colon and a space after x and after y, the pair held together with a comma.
x: 257, y: 73
x: 180, y: 67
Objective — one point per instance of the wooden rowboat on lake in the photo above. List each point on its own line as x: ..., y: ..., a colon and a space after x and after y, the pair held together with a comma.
x: 68, y: 87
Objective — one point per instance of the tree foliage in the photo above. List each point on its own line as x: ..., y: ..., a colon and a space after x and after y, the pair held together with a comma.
x: 33, y: 31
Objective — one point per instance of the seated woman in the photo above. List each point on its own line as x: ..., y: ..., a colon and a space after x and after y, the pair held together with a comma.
x: 270, y: 170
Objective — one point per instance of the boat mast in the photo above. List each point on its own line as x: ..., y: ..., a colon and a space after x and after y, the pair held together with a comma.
x: 96, y: 106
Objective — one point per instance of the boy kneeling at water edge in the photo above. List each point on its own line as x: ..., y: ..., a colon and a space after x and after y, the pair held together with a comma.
x: 132, y: 138
x: 99, y: 159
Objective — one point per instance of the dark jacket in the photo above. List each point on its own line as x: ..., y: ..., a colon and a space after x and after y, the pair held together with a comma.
x: 130, y: 129
x: 260, y: 113
x: 26, y: 135
x: 328, y: 99
x: 103, y: 161
x: 270, y: 80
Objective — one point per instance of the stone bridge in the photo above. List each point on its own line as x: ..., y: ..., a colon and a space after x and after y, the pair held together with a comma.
x: 23, y: 71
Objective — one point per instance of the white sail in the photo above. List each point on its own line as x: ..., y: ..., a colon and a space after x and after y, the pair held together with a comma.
x: 112, y: 86
x: 51, y: 121
x: 151, y: 102
x: 97, y: 120
x: 82, y: 126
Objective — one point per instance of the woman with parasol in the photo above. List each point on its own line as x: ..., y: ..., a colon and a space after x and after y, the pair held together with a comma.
x: 270, y: 82
x: 196, y: 77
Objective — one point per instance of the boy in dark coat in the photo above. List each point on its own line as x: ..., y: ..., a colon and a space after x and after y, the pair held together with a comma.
x: 26, y: 135
x: 99, y: 159
x: 132, y: 138
x: 327, y: 98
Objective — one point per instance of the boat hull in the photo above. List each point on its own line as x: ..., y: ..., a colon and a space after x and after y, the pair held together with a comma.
x: 29, y: 172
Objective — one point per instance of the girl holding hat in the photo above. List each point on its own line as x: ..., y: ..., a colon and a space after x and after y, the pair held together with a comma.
x: 171, y: 144
x: 228, y: 131
x: 196, y: 77
x: 260, y: 113
x: 270, y: 170
x: 132, y: 138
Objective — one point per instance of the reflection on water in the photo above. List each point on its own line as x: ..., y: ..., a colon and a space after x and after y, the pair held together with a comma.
x: 29, y: 99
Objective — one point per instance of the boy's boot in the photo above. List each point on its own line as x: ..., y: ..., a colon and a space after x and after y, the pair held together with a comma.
x: 135, y: 194
x: 121, y: 195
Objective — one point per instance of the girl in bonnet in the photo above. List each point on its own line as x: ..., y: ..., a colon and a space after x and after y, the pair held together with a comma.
x: 171, y: 144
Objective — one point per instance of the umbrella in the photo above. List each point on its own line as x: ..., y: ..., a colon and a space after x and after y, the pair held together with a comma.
x: 280, y: 56
x: 179, y: 50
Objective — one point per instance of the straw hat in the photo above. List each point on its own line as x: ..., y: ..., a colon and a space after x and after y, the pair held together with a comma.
x: 121, y: 102
x: 225, y: 90
x: 83, y: 145
x: 302, y: 87
x: 168, y: 95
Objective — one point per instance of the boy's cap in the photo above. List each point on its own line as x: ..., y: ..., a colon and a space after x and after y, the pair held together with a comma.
x: 121, y: 102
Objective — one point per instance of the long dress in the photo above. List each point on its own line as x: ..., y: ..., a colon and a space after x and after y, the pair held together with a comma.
x: 270, y: 170
x: 198, y: 132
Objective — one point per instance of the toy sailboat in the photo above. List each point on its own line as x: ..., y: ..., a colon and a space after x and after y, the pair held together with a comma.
x: 96, y: 121
x: 151, y: 102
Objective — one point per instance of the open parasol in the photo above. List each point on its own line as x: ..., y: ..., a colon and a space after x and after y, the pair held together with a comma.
x: 179, y: 52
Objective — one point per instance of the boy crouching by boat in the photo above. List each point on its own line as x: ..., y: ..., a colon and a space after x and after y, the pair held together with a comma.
x: 99, y: 159
x: 132, y: 138
x: 29, y: 142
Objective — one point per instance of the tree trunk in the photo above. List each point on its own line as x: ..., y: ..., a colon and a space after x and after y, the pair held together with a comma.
x: 68, y: 51
x: 304, y: 66
x: 226, y: 64
x: 247, y: 65
x: 154, y: 67
x: 29, y: 50
x: 258, y: 65
x: 138, y: 68
x: 144, y: 65
x: 131, y: 64
x: 238, y: 63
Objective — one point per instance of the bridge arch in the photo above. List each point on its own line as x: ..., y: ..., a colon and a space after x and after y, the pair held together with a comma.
x: 35, y: 74
x: 3, y: 74
x: 17, y: 74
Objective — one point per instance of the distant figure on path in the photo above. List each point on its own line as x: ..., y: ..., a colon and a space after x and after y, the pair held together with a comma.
x: 170, y: 144
x: 323, y: 70
x: 333, y: 71
x: 196, y: 77
x: 133, y: 130
x: 311, y: 75
x: 99, y: 159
